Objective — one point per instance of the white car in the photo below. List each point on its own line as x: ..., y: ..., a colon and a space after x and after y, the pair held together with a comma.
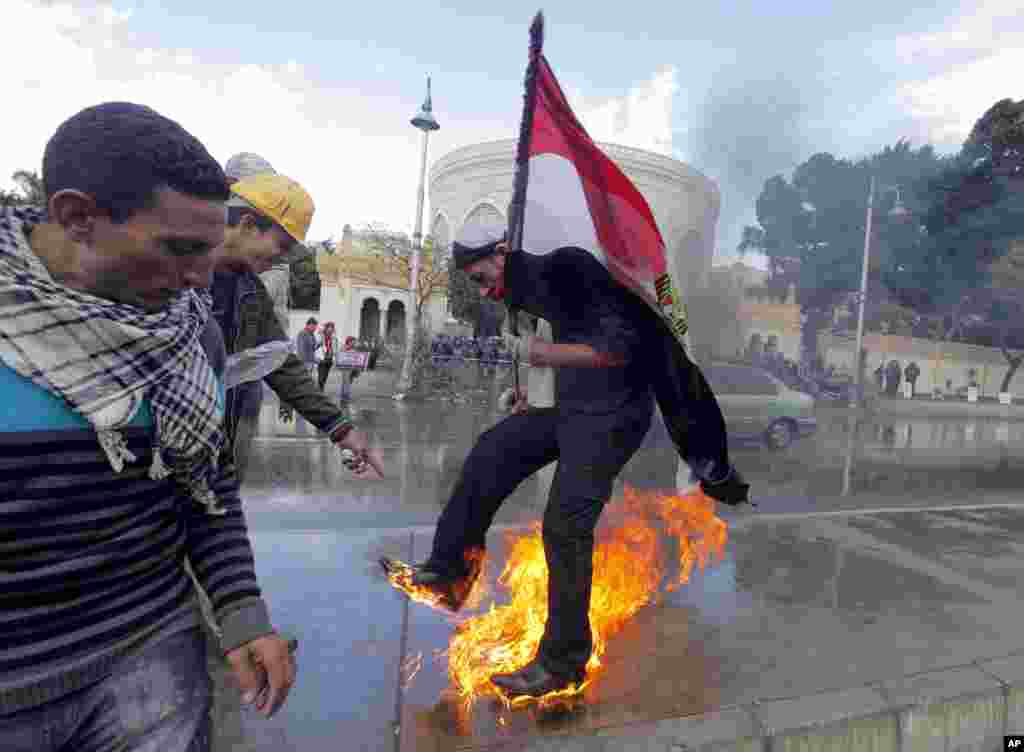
x: 756, y: 405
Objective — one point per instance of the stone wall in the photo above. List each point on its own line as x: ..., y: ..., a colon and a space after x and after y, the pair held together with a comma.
x: 938, y: 361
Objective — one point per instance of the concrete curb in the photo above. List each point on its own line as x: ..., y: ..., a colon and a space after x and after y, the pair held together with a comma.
x: 969, y: 707
x: 930, y: 409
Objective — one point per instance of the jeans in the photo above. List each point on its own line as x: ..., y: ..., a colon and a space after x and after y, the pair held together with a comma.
x: 345, y: 388
x: 156, y: 700
x: 591, y: 450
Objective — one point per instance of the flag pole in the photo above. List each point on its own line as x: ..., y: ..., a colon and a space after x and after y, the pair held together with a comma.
x: 517, y: 209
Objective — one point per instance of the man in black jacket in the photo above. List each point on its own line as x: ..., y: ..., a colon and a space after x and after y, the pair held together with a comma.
x: 606, y: 349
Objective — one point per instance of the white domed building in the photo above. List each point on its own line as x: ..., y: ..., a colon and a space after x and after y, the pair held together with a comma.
x: 478, y: 179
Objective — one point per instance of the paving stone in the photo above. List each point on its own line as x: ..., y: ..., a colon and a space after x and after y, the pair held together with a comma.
x: 962, y: 709
x: 779, y: 717
x: 733, y: 728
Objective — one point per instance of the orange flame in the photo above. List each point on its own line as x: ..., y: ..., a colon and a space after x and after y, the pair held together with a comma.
x: 629, y: 570
x: 400, y: 576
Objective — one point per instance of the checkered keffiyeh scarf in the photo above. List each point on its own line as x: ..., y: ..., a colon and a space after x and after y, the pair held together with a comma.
x: 104, y: 358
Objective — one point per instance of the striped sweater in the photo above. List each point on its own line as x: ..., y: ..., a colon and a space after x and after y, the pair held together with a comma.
x: 91, y: 561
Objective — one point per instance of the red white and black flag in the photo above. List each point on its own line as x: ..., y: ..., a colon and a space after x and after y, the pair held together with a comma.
x: 569, y: 193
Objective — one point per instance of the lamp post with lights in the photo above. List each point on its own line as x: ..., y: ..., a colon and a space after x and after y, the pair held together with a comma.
x: 897, y: 212
x: 425, y: 121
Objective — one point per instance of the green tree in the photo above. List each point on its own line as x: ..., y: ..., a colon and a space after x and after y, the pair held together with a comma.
x: 485, y: 316
x: 462, y: 296
x: 811, y: 227
x: 304, y: 281
x: 973, y: 213
x: 396, y: 249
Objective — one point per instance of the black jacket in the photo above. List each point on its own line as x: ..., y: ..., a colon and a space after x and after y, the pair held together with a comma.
x: 585, y: 305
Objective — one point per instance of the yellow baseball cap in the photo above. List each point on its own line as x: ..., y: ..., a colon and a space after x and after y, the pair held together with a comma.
x: 279, y: 198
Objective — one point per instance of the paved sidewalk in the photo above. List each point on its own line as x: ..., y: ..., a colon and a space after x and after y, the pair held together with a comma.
x: 846, y: 629
x: 884, y: 631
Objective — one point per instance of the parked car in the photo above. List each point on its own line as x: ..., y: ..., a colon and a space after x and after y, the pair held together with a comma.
x: 756, y: 405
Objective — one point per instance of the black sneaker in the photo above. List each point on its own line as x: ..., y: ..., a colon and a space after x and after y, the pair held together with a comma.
x: 732, y: 489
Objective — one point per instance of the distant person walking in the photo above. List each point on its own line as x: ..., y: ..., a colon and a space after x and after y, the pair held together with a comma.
x: 348, y: 374
x: 892, y: 378
x: 306, y: 346
x: 911, y: 373
x: 326, y: 350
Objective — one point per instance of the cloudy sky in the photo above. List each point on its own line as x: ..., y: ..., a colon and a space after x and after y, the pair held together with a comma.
x: 740, y: 89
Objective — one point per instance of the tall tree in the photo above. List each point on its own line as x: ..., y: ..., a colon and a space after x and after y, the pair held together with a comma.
x: 304, y: 282
x: 811, y: 227
x: 966, y: 268
x: 485, y: 316
x: 396, y: 251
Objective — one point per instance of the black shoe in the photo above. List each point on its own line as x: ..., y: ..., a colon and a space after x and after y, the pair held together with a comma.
x: 450, y: 589
x: 533, y: 680
x: 731, y: 490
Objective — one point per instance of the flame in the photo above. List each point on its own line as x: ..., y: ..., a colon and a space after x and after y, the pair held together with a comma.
x: 400, y: 575
x: 629, y: 569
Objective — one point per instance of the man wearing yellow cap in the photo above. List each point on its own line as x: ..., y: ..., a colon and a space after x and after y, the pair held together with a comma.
x: 268, y: 216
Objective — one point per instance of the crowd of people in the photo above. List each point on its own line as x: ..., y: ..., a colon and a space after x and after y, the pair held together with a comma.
x: 319, y: 348
x: 483, y: 349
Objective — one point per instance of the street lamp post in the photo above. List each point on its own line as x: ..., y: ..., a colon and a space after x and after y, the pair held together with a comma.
x: 426, y: 122
x: 897, y: 212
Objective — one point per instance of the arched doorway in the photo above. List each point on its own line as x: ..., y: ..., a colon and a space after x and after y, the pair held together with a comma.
x: 396, y: 322
x: 369, y: 320
x: 484, y: 212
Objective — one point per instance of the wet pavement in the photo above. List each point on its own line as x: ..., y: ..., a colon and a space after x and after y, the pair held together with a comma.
x: 856, y: 568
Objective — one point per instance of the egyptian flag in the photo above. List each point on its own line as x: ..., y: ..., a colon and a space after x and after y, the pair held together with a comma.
x: 568, y: 193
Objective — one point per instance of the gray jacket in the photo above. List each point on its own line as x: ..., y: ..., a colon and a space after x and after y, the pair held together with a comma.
x: 305, y: 345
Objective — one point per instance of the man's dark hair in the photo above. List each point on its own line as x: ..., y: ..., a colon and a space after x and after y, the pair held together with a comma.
x: 120, y: 154
x: 310, y: 320
x: 235, y: 214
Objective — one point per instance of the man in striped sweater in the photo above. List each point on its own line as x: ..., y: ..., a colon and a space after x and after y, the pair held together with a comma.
x: 111, y: 426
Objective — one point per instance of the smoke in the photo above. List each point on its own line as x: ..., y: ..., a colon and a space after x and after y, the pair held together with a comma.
x: 642, y: 119
x: 747, y: 130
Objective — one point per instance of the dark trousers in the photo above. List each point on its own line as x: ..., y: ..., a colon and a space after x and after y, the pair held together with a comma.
x: 590, y: 450
x: 323, y: 370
